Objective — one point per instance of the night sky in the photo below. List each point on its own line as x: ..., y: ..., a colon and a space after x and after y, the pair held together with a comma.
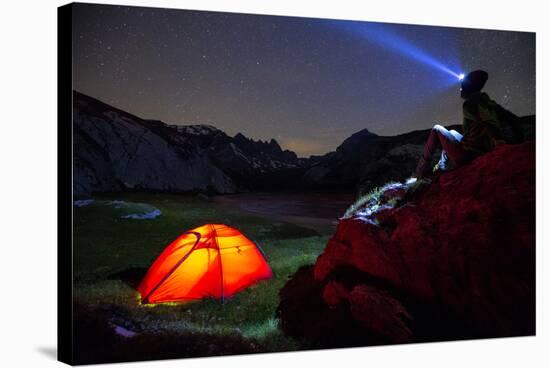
x: 309, y: 83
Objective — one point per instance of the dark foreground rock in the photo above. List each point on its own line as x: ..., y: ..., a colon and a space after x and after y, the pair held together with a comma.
x: 96, y: 341
x: 455, y: 261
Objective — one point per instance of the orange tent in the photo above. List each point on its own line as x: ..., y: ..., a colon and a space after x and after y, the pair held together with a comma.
x: 210, y: 261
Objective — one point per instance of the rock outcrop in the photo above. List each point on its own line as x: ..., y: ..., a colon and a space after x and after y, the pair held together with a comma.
x: 115, y: 150
x: 454, y: 260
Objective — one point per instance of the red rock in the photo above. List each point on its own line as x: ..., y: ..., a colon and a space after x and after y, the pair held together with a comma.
x: 466, y: 244
x: 334, y: 292
x: 378, y: 311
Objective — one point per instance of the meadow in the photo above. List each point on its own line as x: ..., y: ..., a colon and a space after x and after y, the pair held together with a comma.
x: 112, y: 254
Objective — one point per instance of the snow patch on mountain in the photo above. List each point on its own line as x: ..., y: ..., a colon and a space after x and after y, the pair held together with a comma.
x: 195, y: 129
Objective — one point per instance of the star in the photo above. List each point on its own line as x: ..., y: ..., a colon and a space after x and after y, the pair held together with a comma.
x: 289, y: 77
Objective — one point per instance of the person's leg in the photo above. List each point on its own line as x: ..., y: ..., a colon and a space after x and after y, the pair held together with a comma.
x: 439, y: 137
x: 454, y: 150
x: 456, y: 134
x: 444, y: 163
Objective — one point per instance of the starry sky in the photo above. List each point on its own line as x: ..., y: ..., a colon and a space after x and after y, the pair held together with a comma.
x: 308, y: 83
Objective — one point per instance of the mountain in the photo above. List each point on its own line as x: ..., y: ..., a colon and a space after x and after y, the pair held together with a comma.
x: 115, y: 150
x: 366, y: 160
x: 452, y: 260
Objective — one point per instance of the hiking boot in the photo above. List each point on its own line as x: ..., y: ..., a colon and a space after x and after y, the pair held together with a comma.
x: 444, y: 164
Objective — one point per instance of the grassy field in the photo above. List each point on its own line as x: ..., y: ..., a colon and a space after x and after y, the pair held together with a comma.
x: 111, y: 254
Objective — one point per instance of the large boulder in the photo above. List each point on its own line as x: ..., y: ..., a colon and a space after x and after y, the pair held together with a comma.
x: 455, y: 260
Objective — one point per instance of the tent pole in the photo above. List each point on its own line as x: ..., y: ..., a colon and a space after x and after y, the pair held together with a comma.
x: 221, y: 266
x: 198, y: 235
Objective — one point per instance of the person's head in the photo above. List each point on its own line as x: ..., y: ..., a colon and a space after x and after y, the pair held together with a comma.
x: 473, y: 82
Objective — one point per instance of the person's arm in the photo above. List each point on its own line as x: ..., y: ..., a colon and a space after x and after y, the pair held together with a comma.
x: 470, y: 129
x: 478, y: 125
x: 469, y: 113
x: 489, y: 118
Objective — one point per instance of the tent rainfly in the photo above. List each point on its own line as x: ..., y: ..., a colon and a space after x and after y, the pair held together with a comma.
x: 213, y: 260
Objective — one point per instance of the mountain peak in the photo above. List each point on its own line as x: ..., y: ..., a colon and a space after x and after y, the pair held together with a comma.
x: 356, y: 139
x: 274, y: 144
x: 364, y: 133
x: 240, y: 136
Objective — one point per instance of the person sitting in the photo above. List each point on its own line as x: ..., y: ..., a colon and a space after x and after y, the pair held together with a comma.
x: 485, y: 125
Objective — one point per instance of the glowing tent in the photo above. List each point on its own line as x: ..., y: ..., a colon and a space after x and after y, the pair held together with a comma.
x: 210, y: 261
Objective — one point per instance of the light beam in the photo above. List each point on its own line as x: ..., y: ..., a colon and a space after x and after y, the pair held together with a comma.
x: 386, y: 38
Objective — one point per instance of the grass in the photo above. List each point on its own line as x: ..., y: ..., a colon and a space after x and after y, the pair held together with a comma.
x: 107, y: 245
x: 371, y: 199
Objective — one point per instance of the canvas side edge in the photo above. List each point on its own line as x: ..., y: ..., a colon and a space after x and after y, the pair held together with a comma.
x: 65, y: 336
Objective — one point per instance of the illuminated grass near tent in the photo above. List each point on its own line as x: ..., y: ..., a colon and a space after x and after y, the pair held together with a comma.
x: 105, y: 245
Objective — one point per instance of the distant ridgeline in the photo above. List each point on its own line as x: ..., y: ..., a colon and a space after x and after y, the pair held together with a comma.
x: 115, y: 151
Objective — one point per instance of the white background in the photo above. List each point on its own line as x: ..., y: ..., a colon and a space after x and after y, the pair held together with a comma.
x: 28, y: 182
